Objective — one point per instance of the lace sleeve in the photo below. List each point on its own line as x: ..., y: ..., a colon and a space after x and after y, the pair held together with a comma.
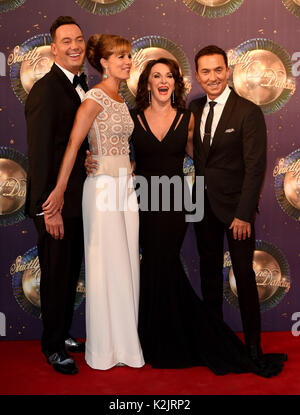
x: 97, y: 95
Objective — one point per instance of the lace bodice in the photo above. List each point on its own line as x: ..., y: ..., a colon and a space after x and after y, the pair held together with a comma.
x: 109, y: 134
x: 111, y: 128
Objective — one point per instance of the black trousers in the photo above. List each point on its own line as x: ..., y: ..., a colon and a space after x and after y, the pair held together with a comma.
x: 60, y: 262
x: 210, y: 240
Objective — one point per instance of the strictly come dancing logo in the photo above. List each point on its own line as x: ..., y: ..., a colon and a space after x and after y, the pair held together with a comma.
x: 262, y: 72
x: 29, y: 62
x: 272, y: 275
x: 286, y: 175
x: 13, y: 179
x: 6, y: 5
x: 293, y: 6
x: 104, y: 7
x: 26, y: 275
x: 213, y: 8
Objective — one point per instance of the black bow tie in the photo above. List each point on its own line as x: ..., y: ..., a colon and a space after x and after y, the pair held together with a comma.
x: 80, y: 80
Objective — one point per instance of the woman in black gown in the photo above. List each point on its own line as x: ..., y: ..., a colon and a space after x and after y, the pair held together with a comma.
x: 176, y: 329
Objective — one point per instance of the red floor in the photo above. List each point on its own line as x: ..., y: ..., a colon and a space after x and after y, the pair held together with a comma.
x: 24, y: 371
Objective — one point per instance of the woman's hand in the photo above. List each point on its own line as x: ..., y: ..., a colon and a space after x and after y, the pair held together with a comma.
x: 90, y: 164
x: 54, y: 203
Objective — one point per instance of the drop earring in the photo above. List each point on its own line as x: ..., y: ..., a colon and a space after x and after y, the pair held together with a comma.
x: 173, y: 97
x: 105, y: 75
x: 149, y: 97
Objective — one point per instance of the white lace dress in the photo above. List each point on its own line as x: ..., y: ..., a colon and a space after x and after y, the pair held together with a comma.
x: 111, y: 225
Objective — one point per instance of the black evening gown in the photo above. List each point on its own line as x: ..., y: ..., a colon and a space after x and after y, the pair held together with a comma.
x: 176, y: 329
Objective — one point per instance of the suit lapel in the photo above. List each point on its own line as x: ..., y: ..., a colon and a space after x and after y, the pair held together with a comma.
x: 222, y: 124
x: 70, y: 90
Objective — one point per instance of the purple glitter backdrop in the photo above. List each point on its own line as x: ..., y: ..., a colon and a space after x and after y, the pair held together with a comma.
x: 174, y: 20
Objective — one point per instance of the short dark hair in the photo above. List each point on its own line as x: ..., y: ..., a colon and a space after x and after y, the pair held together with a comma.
x: 142, y: 101
x: 60, y: 21
x: 210, y: 50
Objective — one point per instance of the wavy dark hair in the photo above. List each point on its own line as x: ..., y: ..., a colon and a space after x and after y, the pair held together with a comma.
x: 142, y: 97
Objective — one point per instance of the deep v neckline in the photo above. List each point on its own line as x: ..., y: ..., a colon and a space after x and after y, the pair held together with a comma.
x: 148, y: 129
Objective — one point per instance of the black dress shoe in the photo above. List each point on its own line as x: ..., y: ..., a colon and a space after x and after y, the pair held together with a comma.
x: 62, y: 363
x: 74, y: 346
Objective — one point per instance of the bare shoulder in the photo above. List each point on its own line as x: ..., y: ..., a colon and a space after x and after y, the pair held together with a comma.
x: 90, y: 107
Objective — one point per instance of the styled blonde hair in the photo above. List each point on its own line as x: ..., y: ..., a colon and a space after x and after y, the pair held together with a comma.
x: 103, y: 46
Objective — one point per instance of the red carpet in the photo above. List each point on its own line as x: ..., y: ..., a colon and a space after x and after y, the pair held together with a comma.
x: 24, y: 371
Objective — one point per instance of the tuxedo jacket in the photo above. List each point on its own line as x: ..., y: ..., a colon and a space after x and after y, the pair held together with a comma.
x: 50, y: 111
x: 235, y: 167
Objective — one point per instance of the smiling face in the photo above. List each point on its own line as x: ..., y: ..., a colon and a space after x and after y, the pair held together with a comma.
x: 161, y: 82
x: 118, y: 65
x: 212, y: 74
x: 68, y: 47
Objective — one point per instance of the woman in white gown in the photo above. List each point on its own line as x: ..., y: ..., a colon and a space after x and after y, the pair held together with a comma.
x: 110, y: 211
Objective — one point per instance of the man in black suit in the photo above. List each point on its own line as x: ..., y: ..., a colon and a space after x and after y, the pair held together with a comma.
x: 50, y: 111
x: 230, y: 152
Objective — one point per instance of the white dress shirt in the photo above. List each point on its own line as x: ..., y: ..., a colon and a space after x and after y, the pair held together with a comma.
x: 218, y: 109
x: 70, y: 75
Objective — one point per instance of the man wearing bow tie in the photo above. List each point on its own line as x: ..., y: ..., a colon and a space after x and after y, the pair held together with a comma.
x: 50, y: 111
x: 230, y: 152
